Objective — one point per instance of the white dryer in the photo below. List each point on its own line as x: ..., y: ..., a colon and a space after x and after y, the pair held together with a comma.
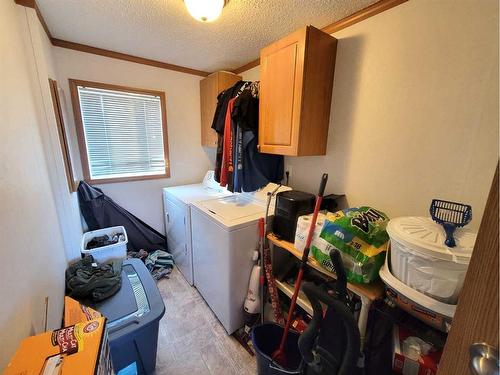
x: 177, y: 202
x: 224, y: 236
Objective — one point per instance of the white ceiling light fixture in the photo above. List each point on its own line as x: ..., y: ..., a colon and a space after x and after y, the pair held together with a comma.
x: 205, y: 10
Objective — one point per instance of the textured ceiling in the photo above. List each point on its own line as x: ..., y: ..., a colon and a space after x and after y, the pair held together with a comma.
x: 163, y: 30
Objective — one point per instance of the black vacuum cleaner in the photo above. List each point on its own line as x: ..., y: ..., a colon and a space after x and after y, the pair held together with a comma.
x: 331, y: 343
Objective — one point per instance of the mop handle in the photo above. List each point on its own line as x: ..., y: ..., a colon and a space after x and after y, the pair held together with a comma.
x: 317, y: 206
x: 305, y: 256
x: 261, y: 255
x: 261, y: 272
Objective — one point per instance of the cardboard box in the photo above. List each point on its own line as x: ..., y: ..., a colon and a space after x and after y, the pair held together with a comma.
x: 73, y: 350
x: 402, y: 364
x: 75, y: 312
x: 81, y: 348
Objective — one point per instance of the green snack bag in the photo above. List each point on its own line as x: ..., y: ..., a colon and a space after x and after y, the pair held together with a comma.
x: 360, y: 236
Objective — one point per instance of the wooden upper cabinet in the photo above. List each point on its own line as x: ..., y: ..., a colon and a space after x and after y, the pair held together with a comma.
x: 210, y: 87
x: 295, y: 93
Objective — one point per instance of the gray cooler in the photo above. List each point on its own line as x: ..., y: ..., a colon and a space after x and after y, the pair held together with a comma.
x: 133, y: 315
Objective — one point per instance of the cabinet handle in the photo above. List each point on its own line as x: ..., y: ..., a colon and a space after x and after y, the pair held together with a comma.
x: 168, y: 218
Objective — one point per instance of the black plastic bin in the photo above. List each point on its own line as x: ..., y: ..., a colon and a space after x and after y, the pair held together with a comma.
x: 133, y: 315
x: 266, y: 339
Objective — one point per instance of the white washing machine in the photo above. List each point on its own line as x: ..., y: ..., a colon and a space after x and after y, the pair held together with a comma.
x: 177, y: 202
x: 224, y: 236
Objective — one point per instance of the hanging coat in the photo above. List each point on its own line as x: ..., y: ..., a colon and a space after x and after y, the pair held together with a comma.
x: 219, y: 122
x: 227, y: 165
x: 257, y: 169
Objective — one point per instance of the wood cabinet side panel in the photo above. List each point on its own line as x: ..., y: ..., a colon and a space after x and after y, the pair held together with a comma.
x: 226, y: 80
x: 317, y: 92
x: 208, y: 102
x: 210, y: 87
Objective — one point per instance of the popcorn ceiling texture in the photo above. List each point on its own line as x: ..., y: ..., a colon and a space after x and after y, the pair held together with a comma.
x: 163, y: 29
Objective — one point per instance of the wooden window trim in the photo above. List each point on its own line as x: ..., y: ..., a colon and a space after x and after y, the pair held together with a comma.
x: 82, y: 145
x: 63, y: 137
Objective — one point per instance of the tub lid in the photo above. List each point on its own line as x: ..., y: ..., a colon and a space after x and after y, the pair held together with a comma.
x: 423, y: 235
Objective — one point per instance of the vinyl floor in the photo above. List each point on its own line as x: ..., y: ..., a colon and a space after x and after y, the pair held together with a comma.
x: 191, y: 341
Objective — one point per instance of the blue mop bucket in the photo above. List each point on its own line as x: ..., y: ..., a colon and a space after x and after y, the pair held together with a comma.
x: 266, y: 339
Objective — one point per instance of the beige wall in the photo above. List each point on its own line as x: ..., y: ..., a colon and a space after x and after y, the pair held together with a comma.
x: 414, y: 109
x: 43, y: 67
x: 33, y: 258
x: 189, y: 161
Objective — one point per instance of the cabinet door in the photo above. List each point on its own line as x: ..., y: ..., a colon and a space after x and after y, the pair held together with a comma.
x: 208, y: 102
x: 282, y: 66
x: 476, y: 317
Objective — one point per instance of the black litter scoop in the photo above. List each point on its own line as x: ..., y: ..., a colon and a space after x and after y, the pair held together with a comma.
x: 451, y: 216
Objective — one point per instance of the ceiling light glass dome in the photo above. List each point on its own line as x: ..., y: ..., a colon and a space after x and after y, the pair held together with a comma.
x: 205, y: 10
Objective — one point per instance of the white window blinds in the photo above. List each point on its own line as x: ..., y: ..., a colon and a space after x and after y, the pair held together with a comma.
x: 123, y: 133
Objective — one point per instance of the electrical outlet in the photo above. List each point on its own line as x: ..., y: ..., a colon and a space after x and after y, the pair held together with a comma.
x: 288, y: 168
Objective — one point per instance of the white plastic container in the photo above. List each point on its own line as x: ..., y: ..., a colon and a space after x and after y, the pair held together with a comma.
x: 432, y: 312
x: 421, y: 260
x: 105, y: 253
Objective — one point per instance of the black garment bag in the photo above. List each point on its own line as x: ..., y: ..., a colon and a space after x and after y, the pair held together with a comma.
x: 100, y: 211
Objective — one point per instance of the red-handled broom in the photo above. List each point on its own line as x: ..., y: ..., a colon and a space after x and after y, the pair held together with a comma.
x: 279, y: 355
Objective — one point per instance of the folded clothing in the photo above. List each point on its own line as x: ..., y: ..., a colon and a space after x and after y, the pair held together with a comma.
x: 87, y: 279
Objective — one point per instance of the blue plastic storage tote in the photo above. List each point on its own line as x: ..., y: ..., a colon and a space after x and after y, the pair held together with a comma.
x: 133, y: 317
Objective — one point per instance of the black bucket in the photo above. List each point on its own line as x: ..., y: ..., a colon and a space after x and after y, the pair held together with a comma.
x: 266, y: 339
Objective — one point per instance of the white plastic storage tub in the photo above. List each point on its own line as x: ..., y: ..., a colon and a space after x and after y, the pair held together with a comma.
x: 432, y: 312
x: 105, y: 253
x: 421, y: 260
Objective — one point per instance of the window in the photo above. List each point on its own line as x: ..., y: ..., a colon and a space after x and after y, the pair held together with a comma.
x: 122, y: 132
x: 61, y: 131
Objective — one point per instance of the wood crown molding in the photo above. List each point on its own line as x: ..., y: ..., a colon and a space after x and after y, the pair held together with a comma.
x: 250, y: 65
x: 363, y: 14
x: 32, y: 4
x: 123, y: 56
x: 26, y: 3
x: 354, y: 18
x: 104, y: 52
